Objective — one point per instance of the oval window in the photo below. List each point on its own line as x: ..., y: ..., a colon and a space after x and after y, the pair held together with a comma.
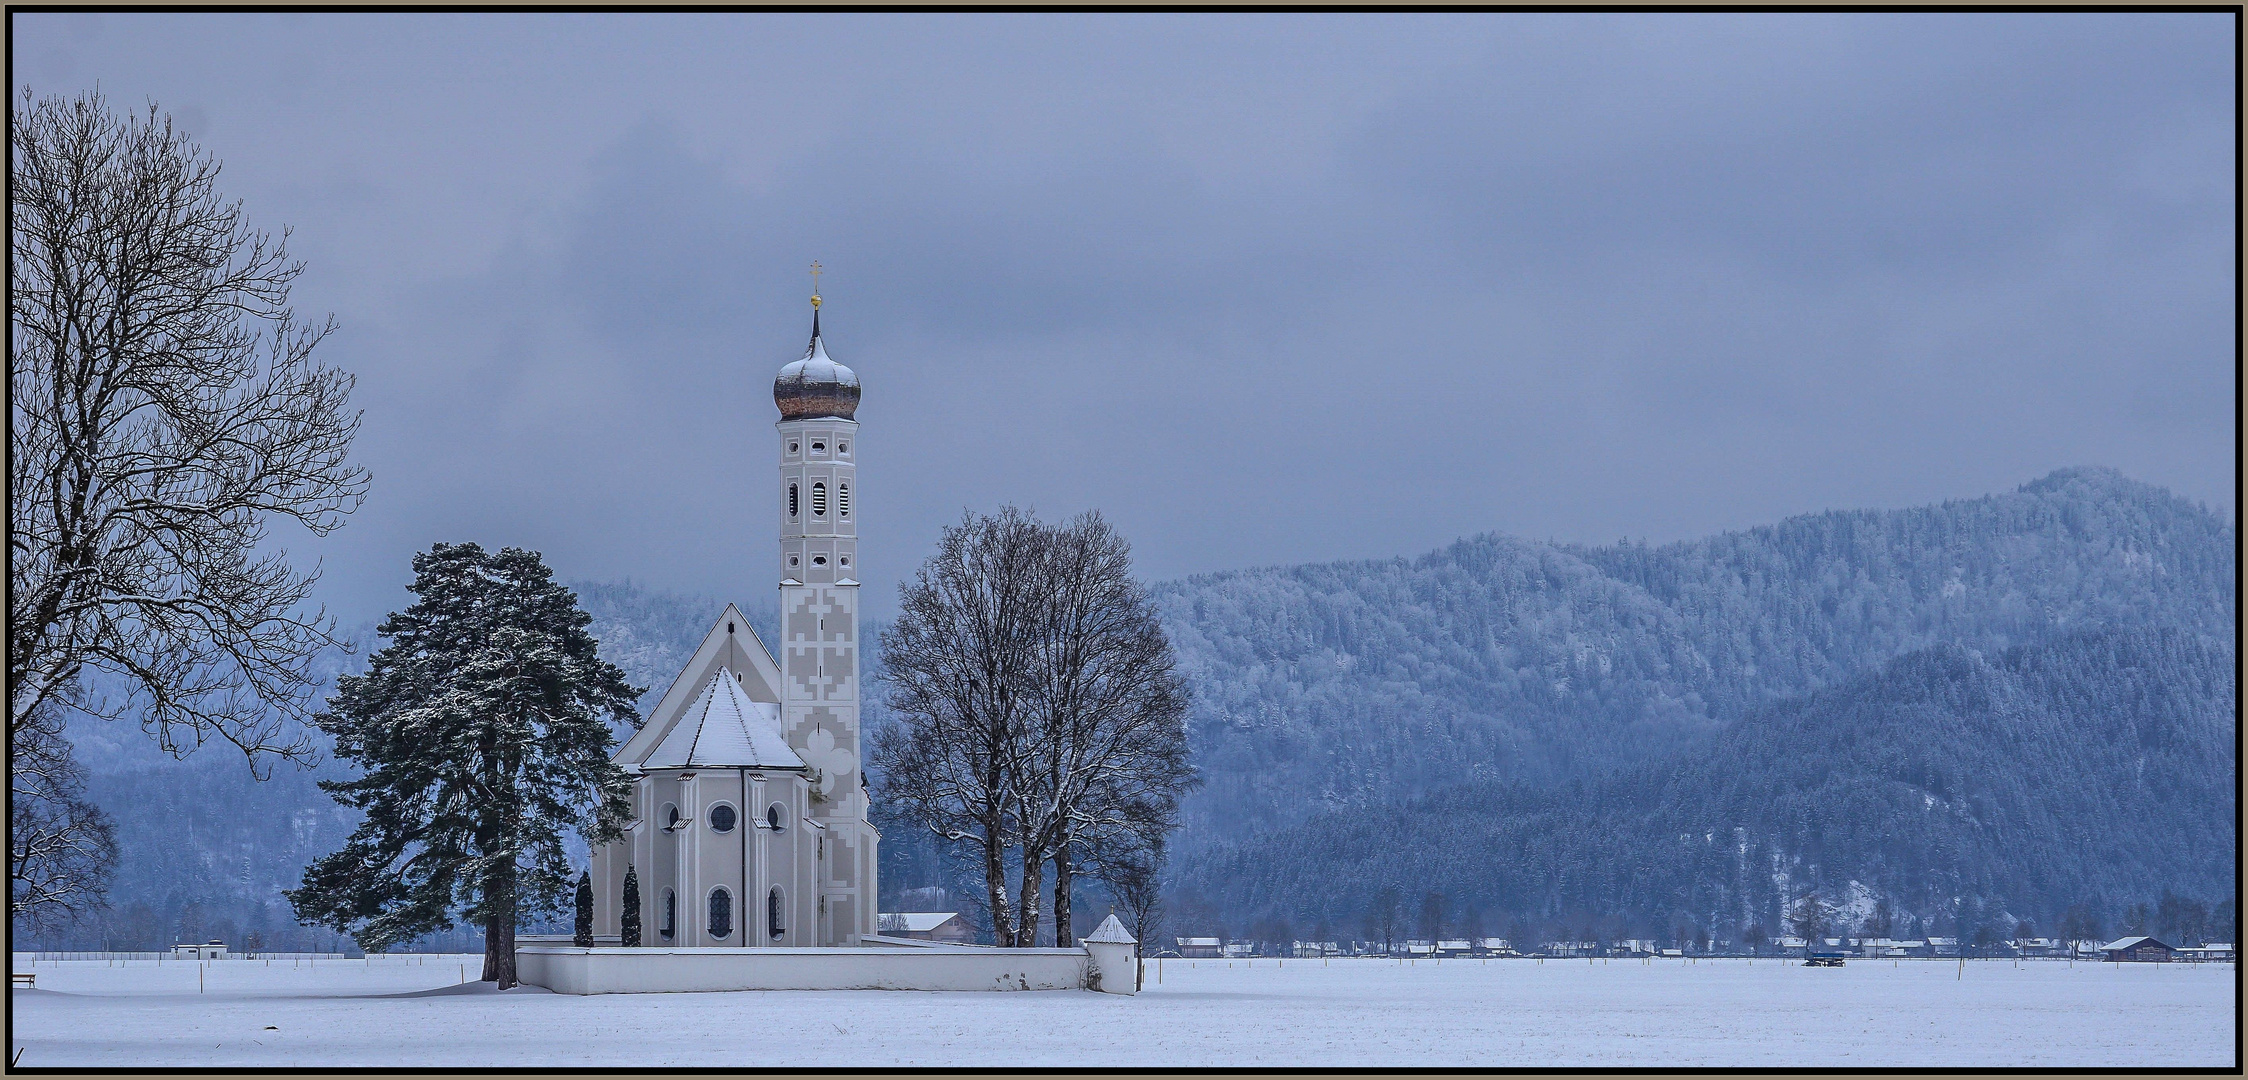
x: 670, y: 817
x: 667, y: 923
x: 819, y: 499
x: 722, y: 818
x: 819, y: 560
x: 843, y: 500
x: 819, y: 448
x: 842, y: 448
x: 792, y: 560
x: 792, y: 448
x: 791, y: 502
x: 773, y: 817
x: 721, y: 914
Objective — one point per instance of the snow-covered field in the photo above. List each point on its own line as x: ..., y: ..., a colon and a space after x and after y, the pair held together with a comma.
x: 397, y: 1011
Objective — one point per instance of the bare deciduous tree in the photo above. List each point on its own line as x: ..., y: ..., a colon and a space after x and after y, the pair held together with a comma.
x: 60, y: 846
x: 955, y: 659
x: 1811, y: 918
x: 1040, y: 709
x: 165, y: 409
x: 1105, y: 757
x: 1433, y: 907
x: 1384, y: 914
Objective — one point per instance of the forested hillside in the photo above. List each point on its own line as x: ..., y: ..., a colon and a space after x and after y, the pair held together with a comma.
x: 1358, y: 684
x: 2094, y: 768
x: 1535, y: 726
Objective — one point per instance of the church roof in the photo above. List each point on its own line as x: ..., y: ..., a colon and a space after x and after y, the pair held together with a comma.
x: 725, y: 729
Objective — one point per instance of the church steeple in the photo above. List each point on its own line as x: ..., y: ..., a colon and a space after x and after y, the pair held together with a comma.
x: 818, y: 649
x: 815, y: 386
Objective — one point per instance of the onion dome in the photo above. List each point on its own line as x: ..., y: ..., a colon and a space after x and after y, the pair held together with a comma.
x: 816, y: 386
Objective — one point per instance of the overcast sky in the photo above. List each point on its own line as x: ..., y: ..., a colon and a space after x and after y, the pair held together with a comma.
x: 1262, y: 289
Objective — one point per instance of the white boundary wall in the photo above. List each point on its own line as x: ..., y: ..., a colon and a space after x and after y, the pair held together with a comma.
x: 571, y: 970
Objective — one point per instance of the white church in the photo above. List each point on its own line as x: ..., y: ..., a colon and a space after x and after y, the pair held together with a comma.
x: 749, y: 811
x: 749, y: 835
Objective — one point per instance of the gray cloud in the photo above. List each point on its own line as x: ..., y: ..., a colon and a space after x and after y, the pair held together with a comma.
x: 1263, y: 289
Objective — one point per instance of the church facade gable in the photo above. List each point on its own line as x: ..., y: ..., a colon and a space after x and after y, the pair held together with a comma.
x: 731, y: 644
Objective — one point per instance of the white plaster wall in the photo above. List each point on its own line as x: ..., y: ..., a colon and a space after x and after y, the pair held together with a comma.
x: 655, y: 970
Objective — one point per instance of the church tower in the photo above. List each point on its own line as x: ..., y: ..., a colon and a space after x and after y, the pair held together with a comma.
x: 819, y: 634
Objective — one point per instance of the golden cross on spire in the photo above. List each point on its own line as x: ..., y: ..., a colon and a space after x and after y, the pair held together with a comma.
x: 816, y: 283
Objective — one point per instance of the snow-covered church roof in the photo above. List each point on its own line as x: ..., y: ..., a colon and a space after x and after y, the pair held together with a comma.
x: 725, y: 729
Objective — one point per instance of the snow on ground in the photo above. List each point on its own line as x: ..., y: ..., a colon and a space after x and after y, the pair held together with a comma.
x: 1300, y: 1013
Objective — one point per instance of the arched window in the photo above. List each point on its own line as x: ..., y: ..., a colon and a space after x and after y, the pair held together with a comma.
x: 722, y: 818
x: 843, y: 499
x: 819, y: 499
x: 773, y: 912
x: 667, y: 920
x: 791, y: 502
x: 721, y: 914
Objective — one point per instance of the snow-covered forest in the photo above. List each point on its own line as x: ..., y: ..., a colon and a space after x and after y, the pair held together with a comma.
x: 1968, y: 791
x: 1997, y: 708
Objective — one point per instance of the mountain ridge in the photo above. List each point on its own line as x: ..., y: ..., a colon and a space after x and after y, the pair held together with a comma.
x: 1493, y: 656
x: 1355, y: 686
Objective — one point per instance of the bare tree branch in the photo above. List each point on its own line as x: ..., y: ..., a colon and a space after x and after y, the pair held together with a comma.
x: 165, y: 408
x: 60, y: 847
x: 1040, y: 708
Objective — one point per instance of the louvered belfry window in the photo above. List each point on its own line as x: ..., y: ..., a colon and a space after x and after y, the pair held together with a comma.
x: 819, y: 499
x: 792, y: 502
x: 843, y: 500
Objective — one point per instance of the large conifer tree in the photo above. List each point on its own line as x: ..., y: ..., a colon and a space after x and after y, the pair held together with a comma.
x: 480, y: 732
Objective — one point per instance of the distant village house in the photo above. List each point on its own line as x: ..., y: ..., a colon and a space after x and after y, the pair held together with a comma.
x: 927, y: 926
x: 2139, y: 949
x: 1204, y: 947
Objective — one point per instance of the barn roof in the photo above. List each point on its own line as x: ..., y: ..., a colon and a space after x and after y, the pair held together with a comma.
x: 920, y: 922
x: 2131, y: 942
